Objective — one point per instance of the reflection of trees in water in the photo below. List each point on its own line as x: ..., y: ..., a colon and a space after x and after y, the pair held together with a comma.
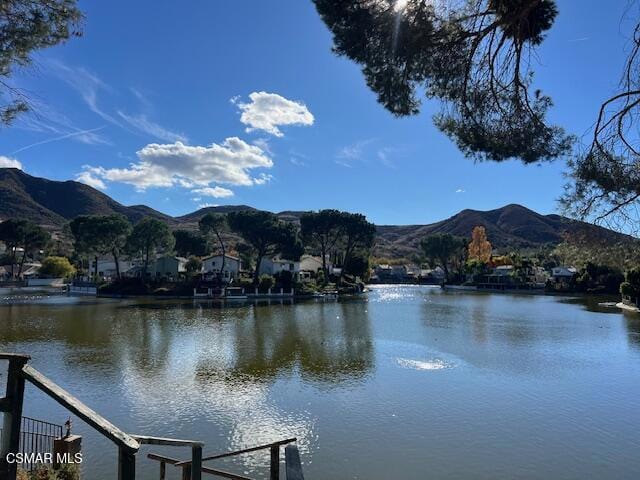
x: 632, y: 324
x: 329, y: 343
x: 96, y: 335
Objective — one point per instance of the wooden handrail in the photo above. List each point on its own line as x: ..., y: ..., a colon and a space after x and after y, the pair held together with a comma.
x: 211, y: 471
x: 293, y: 466
x: 15, y: 356
x: 75, y: 406
x: 128, y: 445
x: 170, y: 442
x: 243, y: 451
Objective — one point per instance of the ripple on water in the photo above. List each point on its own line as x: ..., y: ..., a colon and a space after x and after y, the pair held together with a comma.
x: 432, y: 364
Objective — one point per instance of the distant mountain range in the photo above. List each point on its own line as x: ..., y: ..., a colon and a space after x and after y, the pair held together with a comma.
x: 53, y: 203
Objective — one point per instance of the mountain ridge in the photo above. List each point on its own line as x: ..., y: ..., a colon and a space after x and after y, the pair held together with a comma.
x: 53, y: 203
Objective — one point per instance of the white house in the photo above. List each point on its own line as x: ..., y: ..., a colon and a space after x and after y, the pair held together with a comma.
x: 311, y: 263
x: 167, y: 266
x: 107, y: 267
x: 213, y: 264
x: 273, y: 266
x: 560, y: 274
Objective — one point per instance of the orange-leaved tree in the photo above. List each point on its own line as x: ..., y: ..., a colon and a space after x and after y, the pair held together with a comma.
x: 479, y: 248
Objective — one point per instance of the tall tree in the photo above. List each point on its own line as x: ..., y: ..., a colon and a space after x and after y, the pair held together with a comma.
x: 214, y: 224
x: 479, y: 248
x: 35, y: 239
x: 266, y: 234
x: 473, y: 56
x: 101, y: 235
x: 25, y: 27
x: 11, y: 233
x: 358, y: 234
x: 322, y: 230
x: 82, y: 229
x: 441, y: 249
x: 190, y: 243
x: 18, y: 233
x: 605, y: 174
x: 149, y: 237
x: 116, y: 230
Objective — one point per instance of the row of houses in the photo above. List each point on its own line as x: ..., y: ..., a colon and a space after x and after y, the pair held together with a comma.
x: 536, y: 277
x: 171, y: 267
x: 411, y: 274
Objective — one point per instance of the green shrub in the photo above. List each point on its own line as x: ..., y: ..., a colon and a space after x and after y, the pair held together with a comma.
x: 193, y: 265
x: 266, y: 282
x: 284, y: 279
x: 64, y: 472
x: 629, y: 290
x: 57, y: 267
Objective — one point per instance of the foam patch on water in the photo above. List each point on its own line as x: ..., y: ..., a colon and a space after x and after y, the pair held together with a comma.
x: 434, y: 364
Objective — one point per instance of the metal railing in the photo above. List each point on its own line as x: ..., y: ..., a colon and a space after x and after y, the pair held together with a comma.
x: 293, y: 466
x: 128, y: 445
x: 36, y: 437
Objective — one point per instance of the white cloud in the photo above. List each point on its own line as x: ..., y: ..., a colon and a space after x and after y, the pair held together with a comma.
x: 460, y: 190
x: 88, y: 178
x: 7, y: 162
x: 207, y: 205
x: 268, y: 111
x: 298, y: 159
x: 262, y: 179
x: 90, y: 86
x: 215, y: 192
x: 143, y: 124
x: 354, y: 152
x: 87, y: 84
x: 384, y: 156
x: 166, y: 165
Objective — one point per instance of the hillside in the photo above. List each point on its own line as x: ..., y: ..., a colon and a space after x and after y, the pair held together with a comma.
x: 510, y: 227
x: 52, y: 204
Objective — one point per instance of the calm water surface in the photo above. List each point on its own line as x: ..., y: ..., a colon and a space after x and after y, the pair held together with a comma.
x: 408, y: 382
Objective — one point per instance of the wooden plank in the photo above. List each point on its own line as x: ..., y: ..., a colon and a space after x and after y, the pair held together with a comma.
x: 12, y: 416
x: 196, y: 462
x: 186, y: 472
x: 162, y: 458
x: 170, y: 442
x: 292, y: 463
x: 246, y: 450
x: 79, y: 409
x: 222, y: 473
x: 210, y: 471
x: 15, y: 356
x: 126, y: 464
x: 5, y: 404
x: 274, y: 468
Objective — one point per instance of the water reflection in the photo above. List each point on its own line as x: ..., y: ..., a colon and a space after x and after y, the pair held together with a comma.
x: 456, y: 385
x: 326, y: 343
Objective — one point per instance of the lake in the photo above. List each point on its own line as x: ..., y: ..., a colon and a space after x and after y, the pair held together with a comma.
x: 406, y: 382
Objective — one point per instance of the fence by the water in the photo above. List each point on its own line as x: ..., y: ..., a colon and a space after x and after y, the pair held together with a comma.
x: 37, y: 437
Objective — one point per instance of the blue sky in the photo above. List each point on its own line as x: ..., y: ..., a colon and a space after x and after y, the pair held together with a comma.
x: 180, y: 104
